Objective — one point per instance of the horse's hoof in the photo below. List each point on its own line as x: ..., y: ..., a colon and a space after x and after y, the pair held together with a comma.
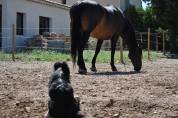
x: 137, y: 69
x: 82, y: 71
x: 93, y: 69
x: 114, y: 69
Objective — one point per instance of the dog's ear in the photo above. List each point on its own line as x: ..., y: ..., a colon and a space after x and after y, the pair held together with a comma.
x: 65, y: 68
x: 63, y: 65
x: 66, y: 71
x: 57, y: 65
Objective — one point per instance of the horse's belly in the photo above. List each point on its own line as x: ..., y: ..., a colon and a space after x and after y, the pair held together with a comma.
x: 102, y: 32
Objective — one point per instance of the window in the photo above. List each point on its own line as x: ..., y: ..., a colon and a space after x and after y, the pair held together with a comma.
x: 20, y: 24
x: 44, y: 24
x: 63, y: 1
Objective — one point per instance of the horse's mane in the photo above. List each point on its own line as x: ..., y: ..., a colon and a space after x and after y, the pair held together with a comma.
x: 130, y: 32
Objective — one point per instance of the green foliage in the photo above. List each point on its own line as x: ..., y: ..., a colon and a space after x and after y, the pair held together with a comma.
x: 142, y: 19
x: 167, y: 15
x: 136, y: 17
x: 149, y: 19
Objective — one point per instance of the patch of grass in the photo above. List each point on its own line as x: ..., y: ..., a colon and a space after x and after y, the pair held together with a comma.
x: 103, y: 56
x: 36, y: 55
x: 153, y: 55
x: 42, y: 55
x: 5, y: 56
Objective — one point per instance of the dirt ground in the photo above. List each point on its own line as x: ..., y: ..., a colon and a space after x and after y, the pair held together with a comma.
x: 152, y: 93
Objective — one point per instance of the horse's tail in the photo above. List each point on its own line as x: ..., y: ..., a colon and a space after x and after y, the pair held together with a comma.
x: 75, y: 31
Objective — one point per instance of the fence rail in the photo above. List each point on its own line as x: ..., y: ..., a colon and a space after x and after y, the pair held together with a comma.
x: 9, y: 40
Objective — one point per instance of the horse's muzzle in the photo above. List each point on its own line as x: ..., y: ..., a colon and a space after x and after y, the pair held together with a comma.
x: 137, y: 69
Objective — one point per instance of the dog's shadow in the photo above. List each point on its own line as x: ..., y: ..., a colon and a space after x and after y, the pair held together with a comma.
x: 114, y: 73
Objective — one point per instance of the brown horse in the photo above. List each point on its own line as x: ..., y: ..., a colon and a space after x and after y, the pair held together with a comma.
x: 89, y: 18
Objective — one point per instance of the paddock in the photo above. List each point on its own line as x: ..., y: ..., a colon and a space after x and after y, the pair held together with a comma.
x: 152, y: 93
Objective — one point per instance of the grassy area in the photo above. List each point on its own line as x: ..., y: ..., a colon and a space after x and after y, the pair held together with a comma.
x: 41, y: 55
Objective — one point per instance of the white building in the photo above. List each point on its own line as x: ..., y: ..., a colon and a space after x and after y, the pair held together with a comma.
x: 31, y: 17
x: 123, y: 4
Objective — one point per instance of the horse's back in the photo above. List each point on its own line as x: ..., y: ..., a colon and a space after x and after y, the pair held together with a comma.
x: 90, y: 13
x: 110, y: 24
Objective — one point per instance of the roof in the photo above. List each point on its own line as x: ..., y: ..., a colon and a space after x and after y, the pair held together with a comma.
x: 52, y: 3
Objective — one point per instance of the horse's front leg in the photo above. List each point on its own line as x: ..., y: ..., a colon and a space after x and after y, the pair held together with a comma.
x: 97, y: 50
x: 113, y: 48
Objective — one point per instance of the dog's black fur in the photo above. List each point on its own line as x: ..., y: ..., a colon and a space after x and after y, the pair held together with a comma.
x: 62, y: 103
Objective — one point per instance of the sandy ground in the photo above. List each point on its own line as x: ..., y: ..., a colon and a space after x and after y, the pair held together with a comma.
x: 153, y: 93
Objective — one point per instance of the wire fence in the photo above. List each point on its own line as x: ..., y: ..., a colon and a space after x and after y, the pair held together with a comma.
x: 58, y: 39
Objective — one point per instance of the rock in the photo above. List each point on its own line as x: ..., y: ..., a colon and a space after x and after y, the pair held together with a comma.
x: 17, y: 103
x: 27, y: 109
x: 116, y: 115
x: 109, y: 103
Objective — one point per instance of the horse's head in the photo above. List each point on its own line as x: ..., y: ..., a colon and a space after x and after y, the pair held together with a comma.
x: 135, y: 56
x: 135, y: 50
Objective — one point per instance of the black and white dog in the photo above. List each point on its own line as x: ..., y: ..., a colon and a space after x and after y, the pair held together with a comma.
x: 62, y: 103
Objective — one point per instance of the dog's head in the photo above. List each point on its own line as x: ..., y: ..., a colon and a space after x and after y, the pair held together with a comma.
x: 61, y: 70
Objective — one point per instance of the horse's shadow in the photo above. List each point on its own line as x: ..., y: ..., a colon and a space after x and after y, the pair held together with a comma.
x: 113, y: 73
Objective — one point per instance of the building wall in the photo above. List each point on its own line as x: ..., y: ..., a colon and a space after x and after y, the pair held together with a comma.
x: 136, y: 3
x: 103, y: 2
x: 123, y: 4
x: 59, y: 19
x: 118, y: 3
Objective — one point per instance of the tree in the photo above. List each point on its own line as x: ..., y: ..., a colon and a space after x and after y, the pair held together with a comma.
x: 167, y: 14
x: 149, y: 19
x: 142, y: 19
x: 135, y: 17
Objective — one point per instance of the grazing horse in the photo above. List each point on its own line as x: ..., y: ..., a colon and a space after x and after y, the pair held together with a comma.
x: 89, y: 18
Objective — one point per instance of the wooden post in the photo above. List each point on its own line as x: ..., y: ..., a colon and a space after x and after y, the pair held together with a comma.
x: 121, y: 51
x: 13, y: 42
x: 164, y: 52
x: 141, y: 38
x: 157, y: 43
x: 148, y: 43
x: 6, y: 41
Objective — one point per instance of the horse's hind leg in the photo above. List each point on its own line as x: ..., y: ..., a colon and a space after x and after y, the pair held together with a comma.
x: 113, y: 48
x: 80, y: 62
x: 97, y: 50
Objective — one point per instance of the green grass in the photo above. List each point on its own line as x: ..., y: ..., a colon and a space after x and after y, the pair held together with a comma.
x: 105, y: 56
x: 41, y: 55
